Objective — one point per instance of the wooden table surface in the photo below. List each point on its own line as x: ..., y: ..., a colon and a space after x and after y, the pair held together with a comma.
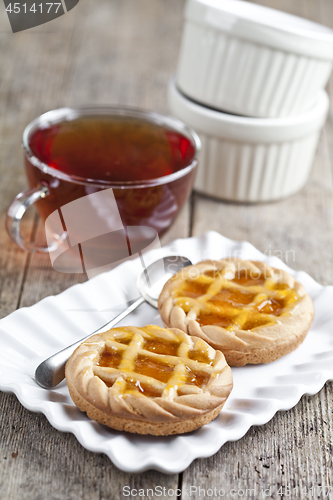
x: 124, y: 52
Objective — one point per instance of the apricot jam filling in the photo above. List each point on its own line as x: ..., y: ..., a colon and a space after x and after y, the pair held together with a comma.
x: 148, y: 364
x: 159, y: 347
x: 110, y: 358
x: 200, y: 379
x: 204, y: 318
x: 246, y: 301
x: 137, y: 386
x: 194, y: 289
x: 150, y: 368
x: 201, y: 356
x: 233, y: 297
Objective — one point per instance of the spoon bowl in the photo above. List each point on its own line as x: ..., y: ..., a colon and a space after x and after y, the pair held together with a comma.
x: 150, y: 283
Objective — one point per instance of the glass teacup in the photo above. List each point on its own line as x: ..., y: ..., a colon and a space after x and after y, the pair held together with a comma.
x: 146, y: 162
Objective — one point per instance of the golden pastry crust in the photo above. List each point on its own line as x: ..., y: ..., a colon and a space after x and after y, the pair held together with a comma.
x: 148, y: 380
x: 250, y: 311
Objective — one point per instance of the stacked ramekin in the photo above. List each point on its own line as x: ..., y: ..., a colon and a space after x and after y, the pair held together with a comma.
x: 250, y: 81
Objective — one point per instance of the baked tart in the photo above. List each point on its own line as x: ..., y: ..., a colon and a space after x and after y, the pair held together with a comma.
x: 250, y: 311
x: 148, y: 380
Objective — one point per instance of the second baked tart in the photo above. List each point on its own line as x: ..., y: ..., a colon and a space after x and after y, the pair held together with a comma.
x: 148, y: 380
x: 250, y: 311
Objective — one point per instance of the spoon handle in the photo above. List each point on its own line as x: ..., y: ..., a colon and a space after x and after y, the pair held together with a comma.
x: 52, y: 371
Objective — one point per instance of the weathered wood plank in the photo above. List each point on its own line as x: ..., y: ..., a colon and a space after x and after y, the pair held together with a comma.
x: 293, y: 450
x: 38, y: 462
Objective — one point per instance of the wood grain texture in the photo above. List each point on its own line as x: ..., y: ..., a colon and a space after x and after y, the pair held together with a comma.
x: 123, y: 52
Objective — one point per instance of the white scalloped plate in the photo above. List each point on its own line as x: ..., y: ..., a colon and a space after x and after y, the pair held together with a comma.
x: 29, y: 335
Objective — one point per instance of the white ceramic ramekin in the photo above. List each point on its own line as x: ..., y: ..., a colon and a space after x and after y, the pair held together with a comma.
x: 250, y: 60
x: 251, y: 159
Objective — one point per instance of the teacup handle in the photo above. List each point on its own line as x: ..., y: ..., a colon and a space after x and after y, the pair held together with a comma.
x: 16, y: 212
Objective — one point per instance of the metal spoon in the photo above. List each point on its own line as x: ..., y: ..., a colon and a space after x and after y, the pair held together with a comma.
x: 52, y: 371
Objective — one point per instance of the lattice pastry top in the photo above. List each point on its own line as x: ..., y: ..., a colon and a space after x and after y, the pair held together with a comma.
x: 148, y: 380
x: 252, y: 312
